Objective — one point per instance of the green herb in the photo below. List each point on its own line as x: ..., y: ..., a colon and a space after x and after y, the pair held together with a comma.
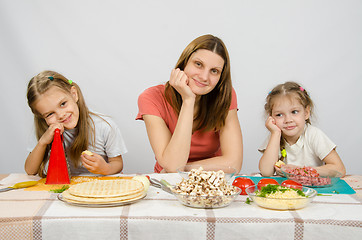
x: 60, y: 190
x: 320, y: 194
x: 270, y: 189
x: 248, y: 201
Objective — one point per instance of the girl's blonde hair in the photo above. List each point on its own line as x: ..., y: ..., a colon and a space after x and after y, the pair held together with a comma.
x: 293, y: 91
x: 214, y: 106
x: 37, y: 86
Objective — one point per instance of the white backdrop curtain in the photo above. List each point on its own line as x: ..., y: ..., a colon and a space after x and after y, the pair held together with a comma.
x: 116, y: 49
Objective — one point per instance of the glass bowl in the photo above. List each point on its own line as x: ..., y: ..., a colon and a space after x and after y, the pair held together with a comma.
x: 281, y: 203
x: 185, y: 170
x: 205, y: 201
x: 326, y: 177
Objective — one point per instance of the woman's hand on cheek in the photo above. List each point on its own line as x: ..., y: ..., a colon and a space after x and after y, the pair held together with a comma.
x: 48, y: 136
x: 180, y: 81
x: 271, y: 125
x: 95, y: 164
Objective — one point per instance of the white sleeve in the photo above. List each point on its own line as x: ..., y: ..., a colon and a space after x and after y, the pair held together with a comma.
x: 319, y: 142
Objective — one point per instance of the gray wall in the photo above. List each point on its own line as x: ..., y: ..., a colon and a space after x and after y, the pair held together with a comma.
x: 116, y: 49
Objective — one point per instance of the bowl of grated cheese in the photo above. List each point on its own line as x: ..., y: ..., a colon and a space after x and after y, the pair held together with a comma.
x: 277, y: 197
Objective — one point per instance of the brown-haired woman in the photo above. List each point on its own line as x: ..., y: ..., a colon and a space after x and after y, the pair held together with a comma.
x: 193, y: 117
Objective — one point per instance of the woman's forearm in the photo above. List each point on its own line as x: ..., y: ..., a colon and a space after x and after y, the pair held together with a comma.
x: 177, y: 151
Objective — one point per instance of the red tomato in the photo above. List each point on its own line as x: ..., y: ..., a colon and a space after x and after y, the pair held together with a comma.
x: 148, y: 177
x: 292, y: 184
x: 265, y: 181
x: 243, y: 183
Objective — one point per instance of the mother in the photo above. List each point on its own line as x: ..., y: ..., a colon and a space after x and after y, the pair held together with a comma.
x: 193, y: 117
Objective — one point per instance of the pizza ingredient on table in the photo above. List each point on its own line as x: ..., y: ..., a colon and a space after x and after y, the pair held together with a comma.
x: 60, y: 190
x: 307, y: 176
x: 24, y: 184
x: 41, y: 186
x: 266, y: 181
x: 281, y: 198
x: 144, y: 180
x: 277, y: 191
x: 292, y: 184
x: 105, y: 191
x: 205, y: 189
x: 243, y: 183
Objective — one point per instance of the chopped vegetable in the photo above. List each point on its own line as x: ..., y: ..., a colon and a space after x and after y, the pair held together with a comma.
x: 60, y: 190
x: 243, y: 184
x: 320, y: 194
x: 269, y: 189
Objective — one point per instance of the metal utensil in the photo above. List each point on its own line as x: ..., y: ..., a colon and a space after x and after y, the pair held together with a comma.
x: 20, y: 185
x: 163, y: 184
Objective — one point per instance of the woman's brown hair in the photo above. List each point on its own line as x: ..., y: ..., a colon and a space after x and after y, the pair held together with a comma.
x: 214, y: 106
x: 37, y: 86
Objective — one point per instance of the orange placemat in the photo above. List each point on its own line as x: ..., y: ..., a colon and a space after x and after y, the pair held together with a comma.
x: 41, y: 186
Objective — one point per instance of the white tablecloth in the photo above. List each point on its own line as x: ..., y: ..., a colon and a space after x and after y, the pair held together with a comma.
x: 40, y: 215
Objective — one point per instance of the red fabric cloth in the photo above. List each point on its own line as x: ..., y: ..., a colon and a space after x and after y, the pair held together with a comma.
x: 203, y: 144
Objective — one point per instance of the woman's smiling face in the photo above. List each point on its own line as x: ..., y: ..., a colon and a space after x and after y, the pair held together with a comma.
x: 203, y: 70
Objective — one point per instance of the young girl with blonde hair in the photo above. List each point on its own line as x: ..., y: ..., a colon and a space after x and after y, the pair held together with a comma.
x: 193, y: 117
x: 292, y: 138
x: 58, y: 103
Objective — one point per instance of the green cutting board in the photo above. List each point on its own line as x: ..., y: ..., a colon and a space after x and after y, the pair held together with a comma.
x: 340, y: 187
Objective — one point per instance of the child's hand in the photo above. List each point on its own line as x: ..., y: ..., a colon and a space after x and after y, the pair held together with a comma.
x: 95, y: 163
x: 180, y: 81
x: 271, y: 125
x: 48, y: 136
x: 278, y: 171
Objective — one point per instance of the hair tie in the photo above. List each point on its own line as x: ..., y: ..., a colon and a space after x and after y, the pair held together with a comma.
x: 301, y: 89
x: 284, y: 153
x: 51, y: 78
x: 70, y: 81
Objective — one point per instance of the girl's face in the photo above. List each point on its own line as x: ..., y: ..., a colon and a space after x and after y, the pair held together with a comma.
x: 58, y: 106
x: 290, y: 116
x: 203, y: 70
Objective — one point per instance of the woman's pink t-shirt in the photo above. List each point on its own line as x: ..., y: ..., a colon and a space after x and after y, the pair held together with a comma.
x: 203, y: 144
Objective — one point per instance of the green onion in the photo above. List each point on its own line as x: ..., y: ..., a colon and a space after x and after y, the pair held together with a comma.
x: 60, y: 190
x: 270, y: 188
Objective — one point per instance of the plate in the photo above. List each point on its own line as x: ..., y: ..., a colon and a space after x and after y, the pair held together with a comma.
x: 93, y: 205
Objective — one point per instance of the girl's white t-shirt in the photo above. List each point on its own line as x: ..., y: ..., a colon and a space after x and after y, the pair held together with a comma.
x: 310, y: 149
x: 108, y: 142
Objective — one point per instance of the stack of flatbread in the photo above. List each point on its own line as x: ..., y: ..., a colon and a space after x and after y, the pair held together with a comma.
x: 105, y: 192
